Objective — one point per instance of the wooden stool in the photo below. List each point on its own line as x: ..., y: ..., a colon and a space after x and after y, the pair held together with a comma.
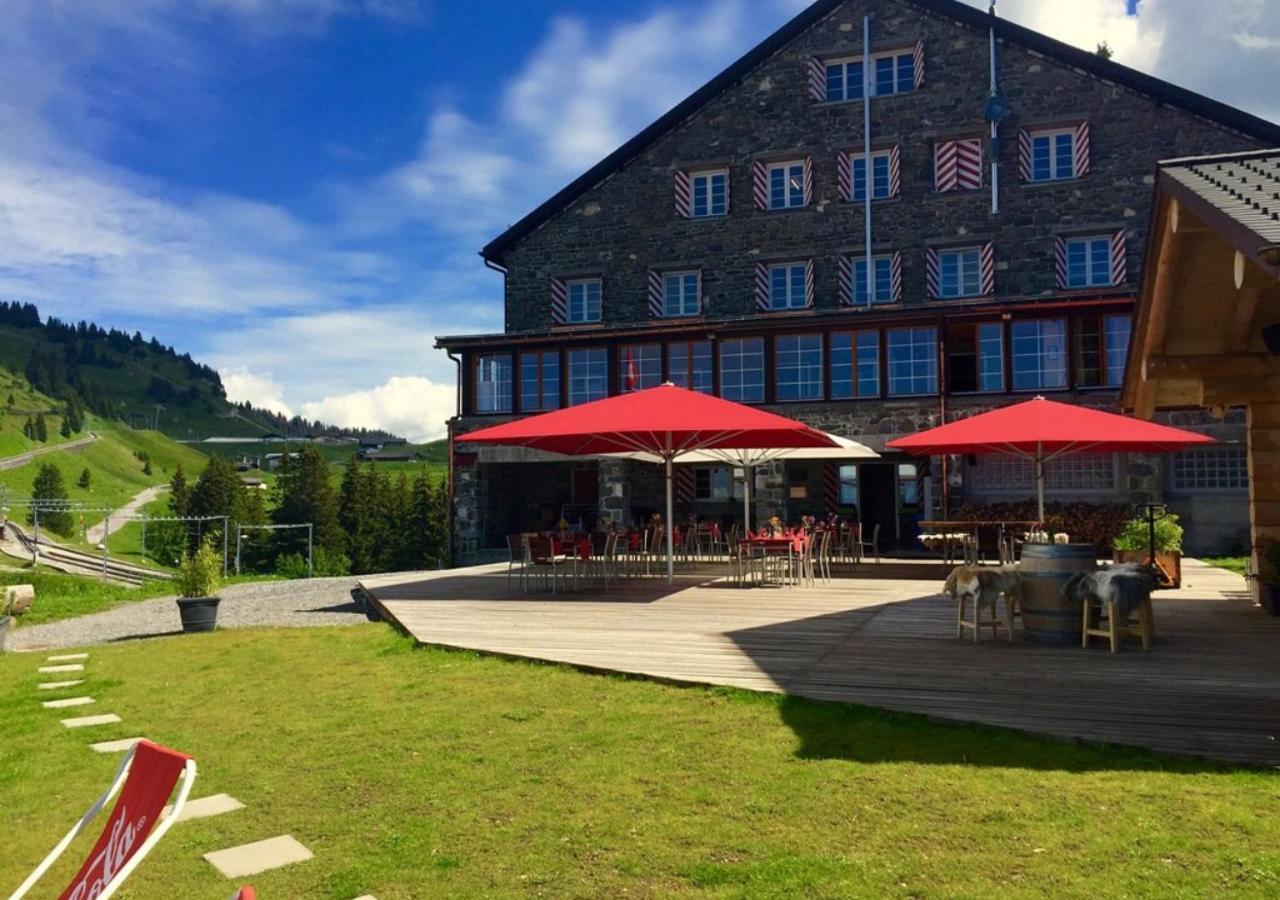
x: 1113, y: 628
x: 976, y: 624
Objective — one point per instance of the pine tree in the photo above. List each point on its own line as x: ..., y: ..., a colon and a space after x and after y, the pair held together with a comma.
x: 65, y: 428
x: 179, y: 492
x: 41, y: 429
x: 305, y: 494
x: 29, y: 429
x: 85, y: 479
x: 146, y: 466
x: 49, y: 487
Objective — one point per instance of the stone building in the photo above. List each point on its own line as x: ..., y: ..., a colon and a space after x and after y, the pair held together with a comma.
x: 724, y: 248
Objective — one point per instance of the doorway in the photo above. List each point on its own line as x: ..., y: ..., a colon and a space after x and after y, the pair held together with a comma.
x: 879, y: 488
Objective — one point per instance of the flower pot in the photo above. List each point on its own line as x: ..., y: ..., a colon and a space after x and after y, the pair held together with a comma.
x: 1269, y: 597
x: 1171, y: 562
x: 198, y: 613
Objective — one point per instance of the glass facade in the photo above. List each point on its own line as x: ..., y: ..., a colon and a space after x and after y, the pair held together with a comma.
x: 742, y: 370
x: 799, y: 367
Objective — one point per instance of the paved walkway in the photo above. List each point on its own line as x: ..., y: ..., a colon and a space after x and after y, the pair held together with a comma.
x: 1206, y: 689
x: 14, y: 462
x: 120, y: 517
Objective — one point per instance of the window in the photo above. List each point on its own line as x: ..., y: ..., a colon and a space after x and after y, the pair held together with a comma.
x: 1211, y: 469
x: 1116, y: 333
x: 1089, y: 262
x: 960, y: 273
x: 539, y: 381
x: 588, y: 375
x: 681, y: 294
x: 584, y: 300
x: 788, y: 286
x: 882, y: 277
x: 1101, y: 350
x: 799, y: 365
x: 493, y: 383
x: 847, y: 495
x: 1053, y: 155
x: 787, y: 185
x: 742, y: 370
x: 891, y: 73
x: 913, y: 361
x: 855, y: 364
x: 881, y: 179
x: 689, y: 365
x: 710, y: 194
x: 639, y: 367
x: 1039, y: 355
x: 844, y: 80
x: 975, y: 356
x: 1079, y: 473
x: 713, y: 483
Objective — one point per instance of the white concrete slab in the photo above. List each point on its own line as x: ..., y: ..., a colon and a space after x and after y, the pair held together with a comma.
x: 69, y: 701
x: 57, y: 685
x: 68, y: 657
x: 88, y: 721
x: 115, y: 746
x: 69, y: 667
x: 260, y: 856
x: 204, y: 807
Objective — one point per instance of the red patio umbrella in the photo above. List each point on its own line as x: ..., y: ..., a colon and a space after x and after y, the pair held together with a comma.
x: 1042, y: 430
x: 666, y: 421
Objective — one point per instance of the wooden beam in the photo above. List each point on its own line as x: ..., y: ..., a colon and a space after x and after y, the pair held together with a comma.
x: 1238, y: 390
x: 1260, y: 365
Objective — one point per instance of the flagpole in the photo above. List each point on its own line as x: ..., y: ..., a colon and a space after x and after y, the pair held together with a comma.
x: 995, y: 128
x: 868, y: 181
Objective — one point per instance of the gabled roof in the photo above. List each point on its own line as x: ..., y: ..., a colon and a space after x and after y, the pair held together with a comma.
x: 1243, y: 187
x: 1194, y: 103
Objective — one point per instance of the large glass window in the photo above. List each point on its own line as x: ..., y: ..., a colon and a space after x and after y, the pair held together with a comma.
x: 1039, y: 355
x: 960, y: 273
x: 1117, y: 333
x: 844, y: 80
x: 788, y: 286
x: 1053, y: 155
x: 1089, y: 262
x: 1211, y: 469
x: 913, y: 361
x: 742, y: 370
x: 848, y: 492
x: 1078, y: 473
x: 786, y: 185
x: 975, y: 355
x: 881, y: 183
x: 855, y: 364
x: 894, y: 74
x: 1100, y: 347
x: 681, y: 294
x: 588, y: 375
x: 539, y: 381
x: 493, y: 383
x: 713, y: 483
x: 639, y: 367
x: 799, y: 367
x: 584, y: 300
x: 882, y: 280
x: 689, y: 365
x: 710, y: 194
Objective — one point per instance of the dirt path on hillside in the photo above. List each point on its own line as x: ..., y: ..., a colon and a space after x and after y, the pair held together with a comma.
x: 14, y: 462
x: 121, y: 517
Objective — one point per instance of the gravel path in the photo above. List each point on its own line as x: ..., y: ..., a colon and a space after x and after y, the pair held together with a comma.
x: 288, y: 604
x: 121, y: 517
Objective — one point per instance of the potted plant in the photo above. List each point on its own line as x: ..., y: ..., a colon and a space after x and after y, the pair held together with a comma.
x: 197, y: 582
x: 1133, y: 545
x: 1268, y: 553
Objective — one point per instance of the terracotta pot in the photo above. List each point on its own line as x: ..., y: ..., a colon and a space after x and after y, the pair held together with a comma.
x: 1171, y: 562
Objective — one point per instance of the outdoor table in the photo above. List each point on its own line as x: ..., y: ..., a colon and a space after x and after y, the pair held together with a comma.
x: 1005, y: 529
x: 776, y: 546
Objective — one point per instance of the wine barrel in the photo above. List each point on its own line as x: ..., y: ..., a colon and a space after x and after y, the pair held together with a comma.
x: 1046, y: 616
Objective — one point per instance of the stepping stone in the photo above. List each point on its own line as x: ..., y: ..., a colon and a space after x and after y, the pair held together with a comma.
x: 86, y: 721
x: 70, y: 667
x: 115, y: 746
x: 260, y: 856
x: 70, y: 701
x: 68, y: 657
x: 214, y: 805
x: 57, y: 685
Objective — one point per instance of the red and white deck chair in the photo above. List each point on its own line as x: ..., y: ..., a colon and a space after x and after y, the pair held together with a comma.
x: 148, y: 774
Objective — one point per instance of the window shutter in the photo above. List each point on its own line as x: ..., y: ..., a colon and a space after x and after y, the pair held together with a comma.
x: 1119, y: 258
x: 808, y: 284
x: 684, y: 194
x: 760, y: 179
x: 846, y: 281
x: 728, y: 183
x: 988, y: 269
x: 559, y: 302
x: 944, y: 166
x: 831, y: 487
x: 1060, y: 261
x: 1024, y: 154
x: 969, y: 164
x: 895, y: 171
x: 895, y: 275
x: 919, y: 54
x: 686, y: 484
x: 845, y: 175
x: 934, y: 272
x: 762, y: 287
x: 808, y: 180
x: 817, y: 80
x: 1082, y: 149
x: 655, y: 294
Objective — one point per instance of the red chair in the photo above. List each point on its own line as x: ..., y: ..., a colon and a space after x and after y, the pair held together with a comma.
x: 148, y: 774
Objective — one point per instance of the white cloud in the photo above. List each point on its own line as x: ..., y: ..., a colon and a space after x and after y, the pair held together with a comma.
x: 1085, y: 24
x: 416, y: 408
x: 262, y: 391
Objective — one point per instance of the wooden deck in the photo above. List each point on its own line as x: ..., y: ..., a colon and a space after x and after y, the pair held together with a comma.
x: 1207, y: 689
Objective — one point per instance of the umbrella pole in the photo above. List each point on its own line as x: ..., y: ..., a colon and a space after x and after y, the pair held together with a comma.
x: 671, y: 547
x: 746, y: 499
x: 1040, y: 484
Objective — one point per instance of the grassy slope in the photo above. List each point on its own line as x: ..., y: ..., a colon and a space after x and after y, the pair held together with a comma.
x: 423, y: 773
x: 25, y: 402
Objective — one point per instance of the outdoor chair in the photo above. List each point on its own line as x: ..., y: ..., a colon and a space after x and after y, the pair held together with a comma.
x: 144, y: 780
x: 653, y: 548
x: 873, y: 545
x: 823, y: 559
x: 542, y: 558
x: 517, y: 559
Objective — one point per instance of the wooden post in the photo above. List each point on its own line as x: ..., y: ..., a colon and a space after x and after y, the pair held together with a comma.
x: 1264, y: 470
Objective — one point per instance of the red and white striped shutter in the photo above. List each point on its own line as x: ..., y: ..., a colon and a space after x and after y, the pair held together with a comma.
x: 1119, y: 258
x: 895, y: 170
x: 846, y: 281
x: 809, y: 292
x: 762, y: 287
x: 1082, y: 149
x: 686, y: 489
x: 895, y: 274
x: 969, y: 164
x: 831, y: 487
x: 808, y: 180
x: 845, y: 175
x: 988, y: 269
x: 728, y: 183
x: 933, y: 271
x: 1060, y: 261
x: 1024, y: 154
x: 944, y: 166
x: 919, y: 55
x: 655, y: 294
x: 559, y: 302
x: 684, y: 194
x: 817, y: 80
x: 760, y: 184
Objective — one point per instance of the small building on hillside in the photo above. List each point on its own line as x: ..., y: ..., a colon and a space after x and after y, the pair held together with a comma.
x: 387, y: 456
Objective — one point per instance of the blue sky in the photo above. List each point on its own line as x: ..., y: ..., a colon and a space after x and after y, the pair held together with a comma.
x: 295, y: 190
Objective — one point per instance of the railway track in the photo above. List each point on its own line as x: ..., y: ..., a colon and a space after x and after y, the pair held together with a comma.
x: 77, y: 562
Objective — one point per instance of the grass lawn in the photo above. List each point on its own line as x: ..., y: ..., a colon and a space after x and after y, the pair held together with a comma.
x: 425, y: 773
x: 1237, y: 564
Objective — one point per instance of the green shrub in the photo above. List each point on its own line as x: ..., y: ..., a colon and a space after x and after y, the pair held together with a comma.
x: 1136, y: 535
x: 291, y: 566
x: 200, y: 573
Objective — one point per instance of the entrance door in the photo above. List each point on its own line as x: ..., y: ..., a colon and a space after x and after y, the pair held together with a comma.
x: 879, y: 487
